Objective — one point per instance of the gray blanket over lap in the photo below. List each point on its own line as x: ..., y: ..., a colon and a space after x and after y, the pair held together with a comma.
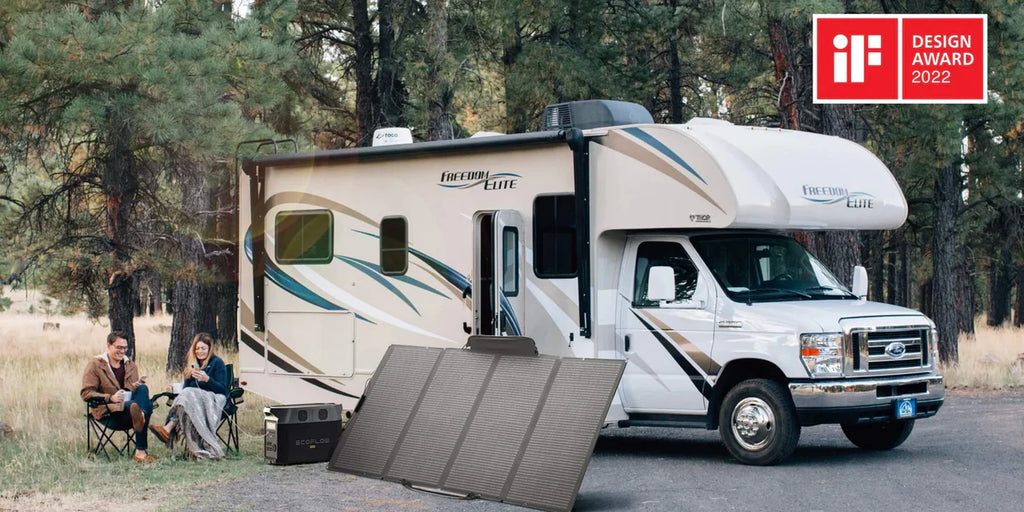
x: 198, y: 412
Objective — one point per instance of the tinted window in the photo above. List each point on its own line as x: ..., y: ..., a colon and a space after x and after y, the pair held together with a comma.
x: 304, y: 237
x: 394, y: 246
x: 663, y: 254
x: 554, y: 236
x: 510, y: 262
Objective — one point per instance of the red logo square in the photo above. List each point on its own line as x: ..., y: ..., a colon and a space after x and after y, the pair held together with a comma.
x: 856, y: 58
x: 944, y: 58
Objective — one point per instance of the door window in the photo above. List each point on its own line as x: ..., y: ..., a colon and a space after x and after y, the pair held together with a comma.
x: 510, y: 261
x: 663, y: 254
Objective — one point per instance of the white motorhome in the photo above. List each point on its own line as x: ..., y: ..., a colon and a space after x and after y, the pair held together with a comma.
x: 604, y: 236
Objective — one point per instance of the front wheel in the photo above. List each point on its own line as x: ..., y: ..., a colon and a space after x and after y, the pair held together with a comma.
x: 878, y: 436
x: 758, y: 422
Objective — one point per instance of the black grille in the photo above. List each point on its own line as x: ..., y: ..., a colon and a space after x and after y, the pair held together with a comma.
x: 872, y: 345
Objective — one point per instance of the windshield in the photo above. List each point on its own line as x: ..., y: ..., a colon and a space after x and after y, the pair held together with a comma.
x: 760, y: 268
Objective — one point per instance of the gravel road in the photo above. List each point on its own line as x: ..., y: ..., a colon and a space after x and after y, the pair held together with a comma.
x: 969, y: 457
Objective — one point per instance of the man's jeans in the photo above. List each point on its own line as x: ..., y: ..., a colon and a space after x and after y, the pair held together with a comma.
x: 123, y: 419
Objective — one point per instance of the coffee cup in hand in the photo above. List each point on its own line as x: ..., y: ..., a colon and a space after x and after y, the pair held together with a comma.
x: 127, y: 396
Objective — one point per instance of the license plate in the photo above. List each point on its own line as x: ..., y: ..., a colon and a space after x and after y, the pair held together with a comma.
x: 906, y: 408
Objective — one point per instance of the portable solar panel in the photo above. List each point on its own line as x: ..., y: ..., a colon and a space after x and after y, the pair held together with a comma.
x: 502, y: 426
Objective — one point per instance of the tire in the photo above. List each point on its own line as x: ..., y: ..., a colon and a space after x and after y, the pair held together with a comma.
x: 758, y: 422
x: 878, y: 436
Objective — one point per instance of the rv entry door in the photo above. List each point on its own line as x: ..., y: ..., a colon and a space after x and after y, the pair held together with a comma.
x: 499, y: 295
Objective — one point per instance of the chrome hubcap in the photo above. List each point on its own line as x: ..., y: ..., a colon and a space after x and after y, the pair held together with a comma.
x: 753, y: 423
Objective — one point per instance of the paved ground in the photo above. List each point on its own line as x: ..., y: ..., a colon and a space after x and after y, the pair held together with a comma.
x: 969, y: 457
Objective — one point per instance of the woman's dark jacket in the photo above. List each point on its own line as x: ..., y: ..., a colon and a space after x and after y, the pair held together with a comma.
x: 217, y: 372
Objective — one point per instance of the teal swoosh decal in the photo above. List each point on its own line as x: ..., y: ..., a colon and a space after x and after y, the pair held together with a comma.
x: 656, y: 144
x: 459, y: 281
x: 362, y: 267
x: 290, y: 285
x: 405, y: 279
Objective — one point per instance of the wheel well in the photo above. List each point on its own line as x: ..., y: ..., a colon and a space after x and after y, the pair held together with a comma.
x: 734, y: 373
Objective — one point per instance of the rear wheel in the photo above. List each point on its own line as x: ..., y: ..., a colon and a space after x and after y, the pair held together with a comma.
x: 758, y: 422
x: 878, y: 436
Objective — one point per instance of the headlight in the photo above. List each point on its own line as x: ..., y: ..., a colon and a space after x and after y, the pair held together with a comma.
x: 822, y: 354
x: 935, y: 349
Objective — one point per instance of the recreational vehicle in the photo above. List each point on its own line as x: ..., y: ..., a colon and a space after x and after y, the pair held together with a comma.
x: 603, y: 236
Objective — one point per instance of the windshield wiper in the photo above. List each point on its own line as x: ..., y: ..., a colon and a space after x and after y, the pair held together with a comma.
x: 781, y: 290
x: 829, y: 288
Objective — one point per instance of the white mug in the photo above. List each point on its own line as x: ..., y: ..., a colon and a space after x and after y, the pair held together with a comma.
x: 177, y: 387
x: 127, y: 396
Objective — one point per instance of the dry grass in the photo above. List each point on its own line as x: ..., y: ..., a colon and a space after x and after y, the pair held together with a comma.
x: 987, y: 362
x: 43, y: 465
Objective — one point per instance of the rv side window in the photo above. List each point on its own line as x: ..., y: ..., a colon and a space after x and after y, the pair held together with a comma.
x: 304, y: 237
x: 510, y: 261
x: 394, y: 246
x: 554, y: 236
x: 663, y: 254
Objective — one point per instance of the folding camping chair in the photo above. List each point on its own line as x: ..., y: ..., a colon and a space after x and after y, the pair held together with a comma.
x: 229, y: 416
x: 106, y: 431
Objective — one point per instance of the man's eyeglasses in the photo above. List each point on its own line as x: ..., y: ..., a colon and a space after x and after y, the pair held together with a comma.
x: 121, y: 348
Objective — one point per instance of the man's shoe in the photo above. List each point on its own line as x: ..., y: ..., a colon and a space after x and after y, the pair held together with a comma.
x: 138, y: 419
x: 161, y: 433
x: 147, y: 459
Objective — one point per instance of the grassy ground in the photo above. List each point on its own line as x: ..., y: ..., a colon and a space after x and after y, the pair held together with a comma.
x: 43, y: 465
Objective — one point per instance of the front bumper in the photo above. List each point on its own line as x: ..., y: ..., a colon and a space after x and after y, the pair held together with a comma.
x: 864, y: 400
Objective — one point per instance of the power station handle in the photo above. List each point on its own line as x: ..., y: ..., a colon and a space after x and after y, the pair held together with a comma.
x: 627, y: 343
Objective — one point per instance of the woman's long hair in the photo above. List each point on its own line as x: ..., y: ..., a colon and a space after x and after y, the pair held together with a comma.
x: 205, y: 339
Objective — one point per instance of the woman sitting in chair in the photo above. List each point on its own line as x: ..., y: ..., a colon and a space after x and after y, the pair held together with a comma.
x: 197, y: 410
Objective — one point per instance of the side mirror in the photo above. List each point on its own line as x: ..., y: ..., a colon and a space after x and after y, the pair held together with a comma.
x: 661, y: 284
x: 860, y: 282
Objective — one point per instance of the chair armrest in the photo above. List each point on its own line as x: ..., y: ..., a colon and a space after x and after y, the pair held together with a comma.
x: 95, y: 401
x: 235, y: 393
x: 168, y: 395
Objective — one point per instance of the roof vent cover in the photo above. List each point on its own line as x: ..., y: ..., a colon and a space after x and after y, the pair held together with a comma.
x: 594, y: 114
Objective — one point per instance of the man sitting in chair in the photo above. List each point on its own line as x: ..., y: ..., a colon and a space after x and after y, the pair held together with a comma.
x: 108, y: 376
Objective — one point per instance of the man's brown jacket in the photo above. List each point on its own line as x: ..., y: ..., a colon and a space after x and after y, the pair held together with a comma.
x: 99, y: 381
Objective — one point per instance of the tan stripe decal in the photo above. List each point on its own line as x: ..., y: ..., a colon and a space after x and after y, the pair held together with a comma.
x: 560, y: 299
x: 303, y: 198
x: 632, y: 148
x: 704, y: 361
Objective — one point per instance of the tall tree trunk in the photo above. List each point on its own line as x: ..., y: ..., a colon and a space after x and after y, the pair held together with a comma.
x: 944, y: 243
x: 516, y: 115
x: 785, y: 76
x: 1000, y: 285
x: 1018, y: 309
x: 838, y: 250
x: 903, y: 291
x: 389, y: 88
x: 675, y: 82
x: 965, y: 303
x: 226, y: 300
x: 120, y: 184
x: 192, y: 307
x: 873, y: 254
x: 365, y: 91
x: 441, y: 94
x: 892, y: 278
